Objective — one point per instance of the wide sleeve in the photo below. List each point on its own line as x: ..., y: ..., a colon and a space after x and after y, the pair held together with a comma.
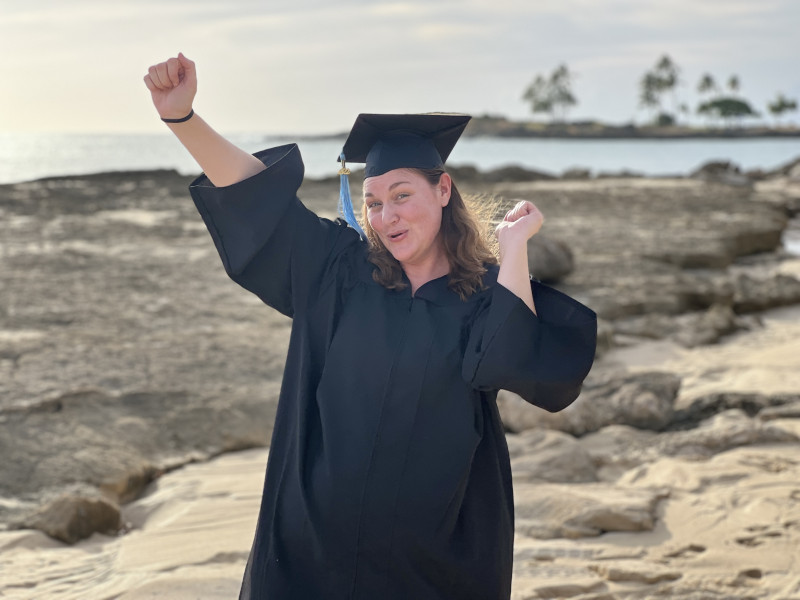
x: 544, y: 359
x: 269, y: 242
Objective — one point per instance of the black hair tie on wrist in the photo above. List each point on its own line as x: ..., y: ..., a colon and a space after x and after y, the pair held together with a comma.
x: 186, y: 118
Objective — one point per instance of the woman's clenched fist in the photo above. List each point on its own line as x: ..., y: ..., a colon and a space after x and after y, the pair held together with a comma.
x: 172, y: 85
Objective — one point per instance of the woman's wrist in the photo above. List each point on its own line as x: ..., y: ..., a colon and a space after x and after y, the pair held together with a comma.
x: 515, y: 247
x: 514, y: 274
x: 181, y: 119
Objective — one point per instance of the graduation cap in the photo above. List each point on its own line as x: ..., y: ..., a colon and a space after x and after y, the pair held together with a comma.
x: 387, y: 142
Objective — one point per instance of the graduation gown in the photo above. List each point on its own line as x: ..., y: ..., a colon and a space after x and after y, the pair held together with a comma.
x: 388, y: 474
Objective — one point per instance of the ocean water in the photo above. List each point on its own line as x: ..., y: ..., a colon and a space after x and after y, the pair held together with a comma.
x: 25, y: 157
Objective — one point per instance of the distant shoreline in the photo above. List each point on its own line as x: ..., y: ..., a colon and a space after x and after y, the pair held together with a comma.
x: 712, y: 171
x: 21, y: 158
x: 502, y: 127
x: 487, y: 126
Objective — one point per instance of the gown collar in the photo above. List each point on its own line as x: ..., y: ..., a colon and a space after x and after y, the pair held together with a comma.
x: 436, y: 291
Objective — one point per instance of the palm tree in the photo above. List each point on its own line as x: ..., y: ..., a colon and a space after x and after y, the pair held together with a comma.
x: 780, y: 105
x: 707, y: 84
x: 649, y: 91
x: 552, y: 95
x: 537, y: 93
x: 664, y: 77
x: 561, y: 82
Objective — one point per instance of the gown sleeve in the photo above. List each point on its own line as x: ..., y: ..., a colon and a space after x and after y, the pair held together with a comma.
x: 544, y: 359
x: 270, y: 243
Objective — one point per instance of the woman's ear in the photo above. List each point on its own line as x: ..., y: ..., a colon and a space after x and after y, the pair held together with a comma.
x: 445, y: 185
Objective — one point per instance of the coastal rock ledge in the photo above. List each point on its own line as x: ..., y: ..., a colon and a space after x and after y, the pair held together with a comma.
x: 103, y: 449
x: 126, y: 352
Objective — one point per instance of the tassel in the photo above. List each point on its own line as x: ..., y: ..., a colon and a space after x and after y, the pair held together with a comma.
x: 345, y: 204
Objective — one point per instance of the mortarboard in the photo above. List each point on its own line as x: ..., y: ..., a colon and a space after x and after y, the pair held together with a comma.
x: 387, y: 142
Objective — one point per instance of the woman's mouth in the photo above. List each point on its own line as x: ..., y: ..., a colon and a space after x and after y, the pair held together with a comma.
x: 396, y: 237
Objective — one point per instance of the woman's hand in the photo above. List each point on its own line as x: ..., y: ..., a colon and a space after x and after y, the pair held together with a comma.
x: 172, y: 85
x: 519, y: 225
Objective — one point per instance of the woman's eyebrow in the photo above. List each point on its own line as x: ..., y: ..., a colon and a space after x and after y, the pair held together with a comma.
x: 391, y: 187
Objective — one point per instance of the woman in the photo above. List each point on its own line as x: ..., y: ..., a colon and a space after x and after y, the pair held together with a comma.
x: 388, y: 475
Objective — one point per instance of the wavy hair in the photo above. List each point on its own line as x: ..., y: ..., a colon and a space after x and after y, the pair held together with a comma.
x: 467, y: 244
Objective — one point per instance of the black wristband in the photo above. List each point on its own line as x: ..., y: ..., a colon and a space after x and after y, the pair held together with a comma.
x: 186, y: 118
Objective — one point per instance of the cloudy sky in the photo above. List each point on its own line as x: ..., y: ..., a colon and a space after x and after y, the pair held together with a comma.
x: 308, y: 66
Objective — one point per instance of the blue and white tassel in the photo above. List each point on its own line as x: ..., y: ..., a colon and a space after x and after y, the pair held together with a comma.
x: 345, y: 203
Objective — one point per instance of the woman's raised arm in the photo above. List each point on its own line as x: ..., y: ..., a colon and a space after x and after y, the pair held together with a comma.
x: 173, y: 85
x: 520, y: 224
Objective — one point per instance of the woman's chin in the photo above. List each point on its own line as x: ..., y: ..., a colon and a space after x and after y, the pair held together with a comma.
x: 398, y: 252
x: 400, y: 257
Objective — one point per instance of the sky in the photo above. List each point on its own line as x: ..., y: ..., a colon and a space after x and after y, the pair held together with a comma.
x: 308, y: 66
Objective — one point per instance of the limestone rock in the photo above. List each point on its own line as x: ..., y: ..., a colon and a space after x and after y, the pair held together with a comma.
x: 73, y: 518
x: 543, y: 455
x: 786, y: 169
x: 721, y: 172
x: 621, y: 174
x: 516, y: 173
x: 729, y: 429
x: 618, y: 448
x: 578, y: 173
x: 635, y: 572
x: 794, y: 172
x: 578, y: 589
x: 708, y: 327
x: 511, y: 173
x: 643, y: 400
x: 548, y: 511
x: 653, y: 248
x: 605, y: 337
x: 752, y: 294
x: 709, y: 405
x: 689, y: 330
x: 790, y: 410
x: 549, y: 259
x: 114, y: 443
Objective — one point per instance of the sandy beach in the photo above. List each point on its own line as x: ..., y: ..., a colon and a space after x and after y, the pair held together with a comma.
x: 139, y: 383
x: 725, y: 527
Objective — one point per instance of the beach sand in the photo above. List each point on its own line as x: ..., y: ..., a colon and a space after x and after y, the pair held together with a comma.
x: 188, y: 537
x: 728, y: 527
x: 765, y: 360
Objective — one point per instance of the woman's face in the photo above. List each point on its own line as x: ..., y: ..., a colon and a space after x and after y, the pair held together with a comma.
x: 406, y: 213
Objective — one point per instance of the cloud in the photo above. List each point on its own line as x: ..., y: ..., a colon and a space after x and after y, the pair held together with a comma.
x: 305, y: 65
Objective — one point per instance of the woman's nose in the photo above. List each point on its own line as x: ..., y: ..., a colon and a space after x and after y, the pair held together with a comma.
x: 389, y: 215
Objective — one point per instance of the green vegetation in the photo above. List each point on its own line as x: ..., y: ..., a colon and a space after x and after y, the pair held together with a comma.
x: 781, y: 105
x: 552, y: 95
x: 663, y: 78
x: 658, y: 93
x: 727, y: 108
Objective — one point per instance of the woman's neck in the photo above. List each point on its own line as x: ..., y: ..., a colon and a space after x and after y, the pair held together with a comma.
x: 419, y: 275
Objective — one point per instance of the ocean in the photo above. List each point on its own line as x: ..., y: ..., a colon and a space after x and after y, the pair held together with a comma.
x: 24, y: 157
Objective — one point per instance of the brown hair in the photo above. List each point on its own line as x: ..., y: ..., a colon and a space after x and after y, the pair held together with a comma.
x: 466, y: 246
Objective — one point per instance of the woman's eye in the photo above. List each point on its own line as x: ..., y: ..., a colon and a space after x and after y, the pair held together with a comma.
x: 401, y: 196
x: 371, y: 205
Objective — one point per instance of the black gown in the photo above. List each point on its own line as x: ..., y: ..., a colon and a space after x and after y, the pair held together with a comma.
x: 388, y: 475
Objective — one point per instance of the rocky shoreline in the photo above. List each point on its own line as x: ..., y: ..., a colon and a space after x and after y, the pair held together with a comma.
x: 125, y: 352
x: 497, y: 126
